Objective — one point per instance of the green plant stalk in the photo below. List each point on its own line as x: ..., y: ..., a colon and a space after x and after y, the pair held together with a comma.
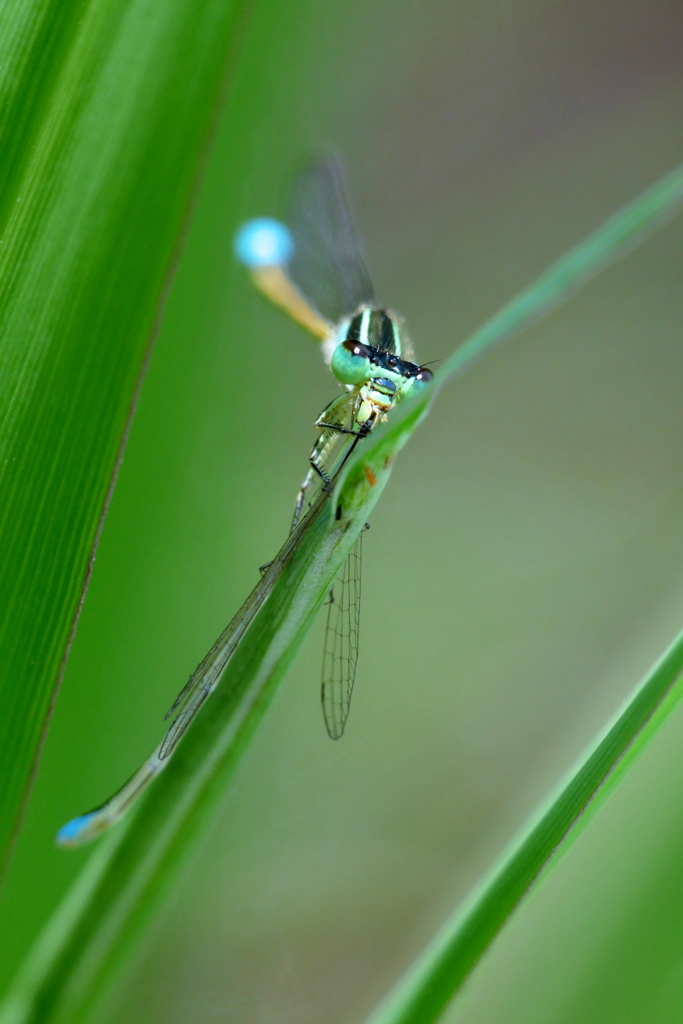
x: 631, y: 226
x: 106, y: 108
x: 100, y: 920
x: 435, y: 978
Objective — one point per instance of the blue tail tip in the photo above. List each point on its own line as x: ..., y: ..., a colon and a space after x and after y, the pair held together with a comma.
x: 264, y: 242
x: 73, y: 830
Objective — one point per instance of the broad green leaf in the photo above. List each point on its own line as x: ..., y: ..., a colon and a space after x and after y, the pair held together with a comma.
x: 106, y: 109
x: 97, y: 925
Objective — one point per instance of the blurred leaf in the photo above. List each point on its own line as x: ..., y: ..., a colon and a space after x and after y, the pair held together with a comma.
x: 628, y: 228
x: 99, y: 922
x: 432, y: 982
x: 106, y: 109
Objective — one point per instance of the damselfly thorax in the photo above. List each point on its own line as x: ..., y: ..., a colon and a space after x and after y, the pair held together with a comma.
x: 367, y: 359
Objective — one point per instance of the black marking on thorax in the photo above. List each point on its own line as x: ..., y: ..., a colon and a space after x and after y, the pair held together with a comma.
x: 376, y: 329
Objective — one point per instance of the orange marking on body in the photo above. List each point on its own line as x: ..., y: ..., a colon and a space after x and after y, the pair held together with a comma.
x: 371, y: 478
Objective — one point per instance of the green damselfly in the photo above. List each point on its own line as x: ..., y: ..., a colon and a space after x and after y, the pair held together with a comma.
x: 312, y: 269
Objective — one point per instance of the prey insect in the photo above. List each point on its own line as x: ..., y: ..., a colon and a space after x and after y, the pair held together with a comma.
x: 314, y: 271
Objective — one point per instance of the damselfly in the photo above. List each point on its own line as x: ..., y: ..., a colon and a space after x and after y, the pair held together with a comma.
x: 315, y: 272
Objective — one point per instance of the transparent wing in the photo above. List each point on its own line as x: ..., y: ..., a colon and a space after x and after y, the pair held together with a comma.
x: 191, y: 698
x: 341, y: 643
x: 206, y: 676
x: 327, y: 266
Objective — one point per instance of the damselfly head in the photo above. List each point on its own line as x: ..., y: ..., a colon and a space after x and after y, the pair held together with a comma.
x: 368, y: 348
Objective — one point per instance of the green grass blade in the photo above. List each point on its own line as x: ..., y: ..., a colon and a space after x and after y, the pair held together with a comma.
x: 98, y: 924
x: 106, y: 108
x: 432, y: 982
x: 628, y: 228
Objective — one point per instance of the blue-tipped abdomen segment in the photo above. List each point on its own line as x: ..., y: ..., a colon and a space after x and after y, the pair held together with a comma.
x: 265, y: 247
x: 94, y: 823
x: 264, y: 242
x: 75, y: 831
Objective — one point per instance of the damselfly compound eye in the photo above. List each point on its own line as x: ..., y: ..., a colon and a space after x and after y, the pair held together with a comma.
x: 424, y: 376
x: 351, y: 362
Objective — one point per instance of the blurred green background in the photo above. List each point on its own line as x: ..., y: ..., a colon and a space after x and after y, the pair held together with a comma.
x: 523, y: 569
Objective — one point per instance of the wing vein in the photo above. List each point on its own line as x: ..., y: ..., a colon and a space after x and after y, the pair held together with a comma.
x: 340, y: 655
